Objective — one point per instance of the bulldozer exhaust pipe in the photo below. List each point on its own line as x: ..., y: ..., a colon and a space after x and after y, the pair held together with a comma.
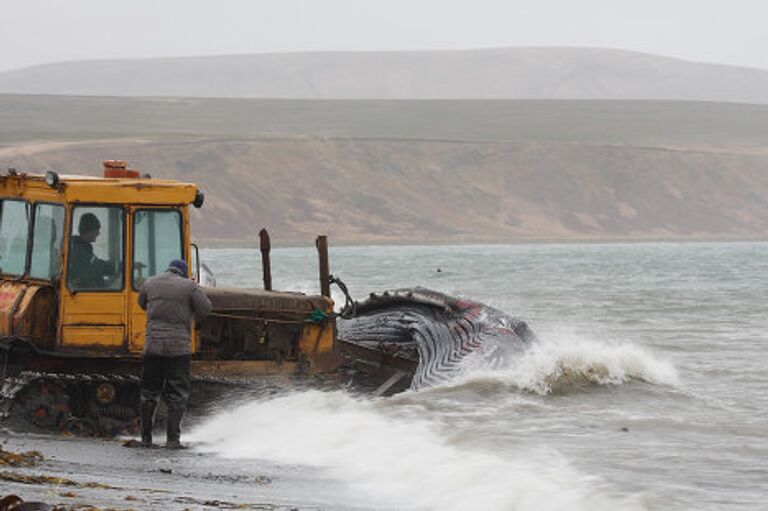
x: 265, y: 263
x: 325, y: 275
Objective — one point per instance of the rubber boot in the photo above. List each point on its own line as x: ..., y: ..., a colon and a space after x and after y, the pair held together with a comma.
x: 173, y: 438
x: 147, y: 418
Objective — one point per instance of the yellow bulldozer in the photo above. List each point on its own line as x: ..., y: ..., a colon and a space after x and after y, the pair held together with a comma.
x: 70, y: 343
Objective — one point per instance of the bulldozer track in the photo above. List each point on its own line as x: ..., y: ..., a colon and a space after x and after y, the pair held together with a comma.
x: 15, y: 384
x: 64, y: 401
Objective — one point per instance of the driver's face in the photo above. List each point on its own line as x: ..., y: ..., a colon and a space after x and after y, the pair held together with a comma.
x: 90, y: 236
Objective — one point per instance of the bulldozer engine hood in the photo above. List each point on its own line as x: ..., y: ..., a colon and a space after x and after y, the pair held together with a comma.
x: 272, y: 303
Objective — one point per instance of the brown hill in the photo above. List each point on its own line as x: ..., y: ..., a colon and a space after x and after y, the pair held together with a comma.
x: 422, y: 171
x: 501, y: 73
x: 417, y: 191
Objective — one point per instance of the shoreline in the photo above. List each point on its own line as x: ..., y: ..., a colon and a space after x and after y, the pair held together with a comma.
x: 254, y: 244
x: 95, y: 473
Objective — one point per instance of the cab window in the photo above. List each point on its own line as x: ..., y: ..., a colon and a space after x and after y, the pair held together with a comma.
x: 47, y: 235
x: 14, y: 232
x: 157, y: 241
x: 95, y: 259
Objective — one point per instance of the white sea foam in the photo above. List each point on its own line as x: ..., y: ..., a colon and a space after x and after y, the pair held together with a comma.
x: 566, y: 361
x: 397, y: 460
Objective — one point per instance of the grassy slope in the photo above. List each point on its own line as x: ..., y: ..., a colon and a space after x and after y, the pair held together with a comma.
x: 662, y: 123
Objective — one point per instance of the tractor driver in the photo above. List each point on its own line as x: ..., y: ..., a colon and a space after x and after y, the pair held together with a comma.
x: 86, y: 271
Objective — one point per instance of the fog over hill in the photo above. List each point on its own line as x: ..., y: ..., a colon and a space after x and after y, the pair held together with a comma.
x: 532, y: 73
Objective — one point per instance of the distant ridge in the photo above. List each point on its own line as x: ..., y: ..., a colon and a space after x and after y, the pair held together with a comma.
x: 504, y: 73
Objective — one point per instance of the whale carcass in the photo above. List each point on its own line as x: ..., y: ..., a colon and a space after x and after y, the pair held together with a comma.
x: 416, y: 337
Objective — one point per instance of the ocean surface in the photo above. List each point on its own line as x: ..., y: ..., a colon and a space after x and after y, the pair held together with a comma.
x: 648, y: 388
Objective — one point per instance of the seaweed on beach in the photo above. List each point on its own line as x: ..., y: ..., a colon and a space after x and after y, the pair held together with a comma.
x: 21, y: 459
x: 15, y: 477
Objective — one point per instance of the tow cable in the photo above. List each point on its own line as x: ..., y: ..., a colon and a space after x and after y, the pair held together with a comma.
x: 350, y: 307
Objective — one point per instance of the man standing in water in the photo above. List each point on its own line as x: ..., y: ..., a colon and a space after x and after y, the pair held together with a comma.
x: 172, y: 301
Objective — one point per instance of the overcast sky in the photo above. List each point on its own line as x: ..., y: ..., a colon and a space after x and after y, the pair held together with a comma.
x: 41, y: 31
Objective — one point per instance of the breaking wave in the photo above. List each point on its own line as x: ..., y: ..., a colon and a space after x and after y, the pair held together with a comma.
x: 397, y: 459
x: 567, y: 363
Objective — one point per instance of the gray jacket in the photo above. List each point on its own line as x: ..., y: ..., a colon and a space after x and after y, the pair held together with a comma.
x: 172, y: 301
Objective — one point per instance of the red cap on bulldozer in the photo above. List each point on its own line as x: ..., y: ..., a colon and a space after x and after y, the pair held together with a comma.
x: 119, y: 169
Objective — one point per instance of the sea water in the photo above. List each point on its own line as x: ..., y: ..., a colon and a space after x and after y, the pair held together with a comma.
x: 648, y: 388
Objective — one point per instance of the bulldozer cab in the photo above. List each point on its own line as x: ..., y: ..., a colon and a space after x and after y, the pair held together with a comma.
x: 82, y: 247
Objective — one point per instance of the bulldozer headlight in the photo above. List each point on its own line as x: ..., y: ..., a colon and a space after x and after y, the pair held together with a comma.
x: 199, y: 199
x: 51, y: 178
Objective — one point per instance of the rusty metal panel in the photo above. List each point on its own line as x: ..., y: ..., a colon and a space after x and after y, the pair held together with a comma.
x: 34, y: 317
x: 92, y: 336
x: 11, y: 294
x: 28, y: 187
x: 138, y: 321
x: 316, y: 346
x: 317, y: 338
x: 240, y: 368
x: 23, y: 317
x: 261, y: 302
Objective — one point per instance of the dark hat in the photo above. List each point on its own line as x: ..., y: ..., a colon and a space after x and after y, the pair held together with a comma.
x: 88, y: 223
x: 180, y: 265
